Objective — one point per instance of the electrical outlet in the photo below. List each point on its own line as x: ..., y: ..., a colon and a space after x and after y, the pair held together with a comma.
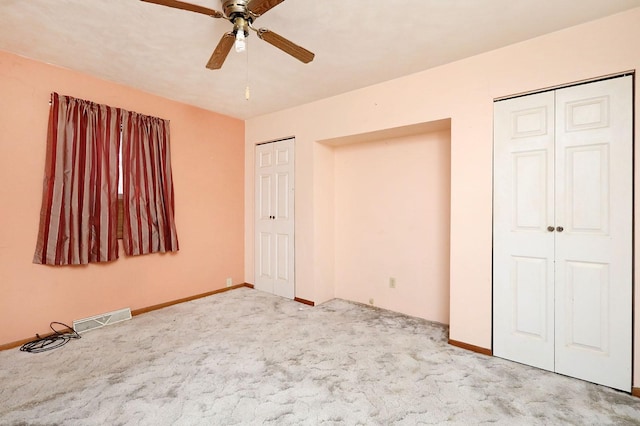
x: 229, y: 282
x: 392, y: 282
x: 371, y: 301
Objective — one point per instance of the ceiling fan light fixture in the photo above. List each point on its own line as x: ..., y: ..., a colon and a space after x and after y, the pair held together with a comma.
x: 240, y: 43
x: 240, y: 28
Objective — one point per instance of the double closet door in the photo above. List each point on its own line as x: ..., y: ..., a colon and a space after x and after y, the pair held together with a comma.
x: 562, y: 231
x: 274, y: 219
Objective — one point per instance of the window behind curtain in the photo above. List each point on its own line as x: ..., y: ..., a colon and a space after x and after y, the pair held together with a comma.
x: 120, y: 217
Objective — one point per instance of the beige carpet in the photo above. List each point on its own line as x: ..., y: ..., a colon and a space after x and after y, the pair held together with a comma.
x: 246, y: 357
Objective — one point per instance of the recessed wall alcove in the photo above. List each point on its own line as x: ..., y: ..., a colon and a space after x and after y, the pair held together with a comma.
x: 386, y: 211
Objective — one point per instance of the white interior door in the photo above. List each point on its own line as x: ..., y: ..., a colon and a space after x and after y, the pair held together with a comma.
x: 274, y: 218
x: 594, y: 250
x: 523, y: 250
x: 563, y: 231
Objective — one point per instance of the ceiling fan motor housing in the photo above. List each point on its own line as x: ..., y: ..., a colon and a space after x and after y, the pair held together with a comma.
x: 235, y: 8
x: 238, y: 14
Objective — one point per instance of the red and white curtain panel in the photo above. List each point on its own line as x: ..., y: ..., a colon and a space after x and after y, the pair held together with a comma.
x: 78, y: 217
x: 149, y: 225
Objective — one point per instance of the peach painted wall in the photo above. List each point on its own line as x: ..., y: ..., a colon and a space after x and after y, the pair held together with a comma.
x: 207, y: 159
x: 392, y: 200
x: 463, y: 91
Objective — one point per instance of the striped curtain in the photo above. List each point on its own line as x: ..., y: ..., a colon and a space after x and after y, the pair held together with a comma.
x: 149, y: 224
x: 79, y: 201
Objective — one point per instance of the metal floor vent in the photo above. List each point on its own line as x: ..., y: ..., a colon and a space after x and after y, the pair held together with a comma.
x: 86, y: 324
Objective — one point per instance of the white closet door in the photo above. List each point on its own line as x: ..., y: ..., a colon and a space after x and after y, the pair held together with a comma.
x: 594, y: 250
x: 274, y: 218
x: 563, y: 231
x: 523, y: 253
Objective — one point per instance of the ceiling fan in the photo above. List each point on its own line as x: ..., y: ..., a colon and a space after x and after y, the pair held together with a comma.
x: 242, y: 14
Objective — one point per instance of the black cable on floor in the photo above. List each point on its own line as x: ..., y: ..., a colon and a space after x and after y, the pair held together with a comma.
x: 54, y: 341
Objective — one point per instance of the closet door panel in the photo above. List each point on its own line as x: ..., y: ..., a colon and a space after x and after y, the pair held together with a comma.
x: 523, y: 246
x: 274, y: 218
x: 593, y: 284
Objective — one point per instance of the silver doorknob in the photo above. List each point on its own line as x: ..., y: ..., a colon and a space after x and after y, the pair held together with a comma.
x: 550, y: 228
x: 559, y: 229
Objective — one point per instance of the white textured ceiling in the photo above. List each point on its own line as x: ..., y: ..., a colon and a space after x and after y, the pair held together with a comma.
x: 357, y: 43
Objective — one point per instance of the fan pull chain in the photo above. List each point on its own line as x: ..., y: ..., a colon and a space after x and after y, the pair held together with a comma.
x: 247, y: 92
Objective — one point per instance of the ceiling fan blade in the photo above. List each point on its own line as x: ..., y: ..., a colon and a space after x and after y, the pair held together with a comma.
x: 260, y: 7
x: 221, y: 52
x: 187, y: 6
x: 287, y: 46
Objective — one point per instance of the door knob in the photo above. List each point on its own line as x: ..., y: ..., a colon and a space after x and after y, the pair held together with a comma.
x: 560, y: 229
x: 550, y: 228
